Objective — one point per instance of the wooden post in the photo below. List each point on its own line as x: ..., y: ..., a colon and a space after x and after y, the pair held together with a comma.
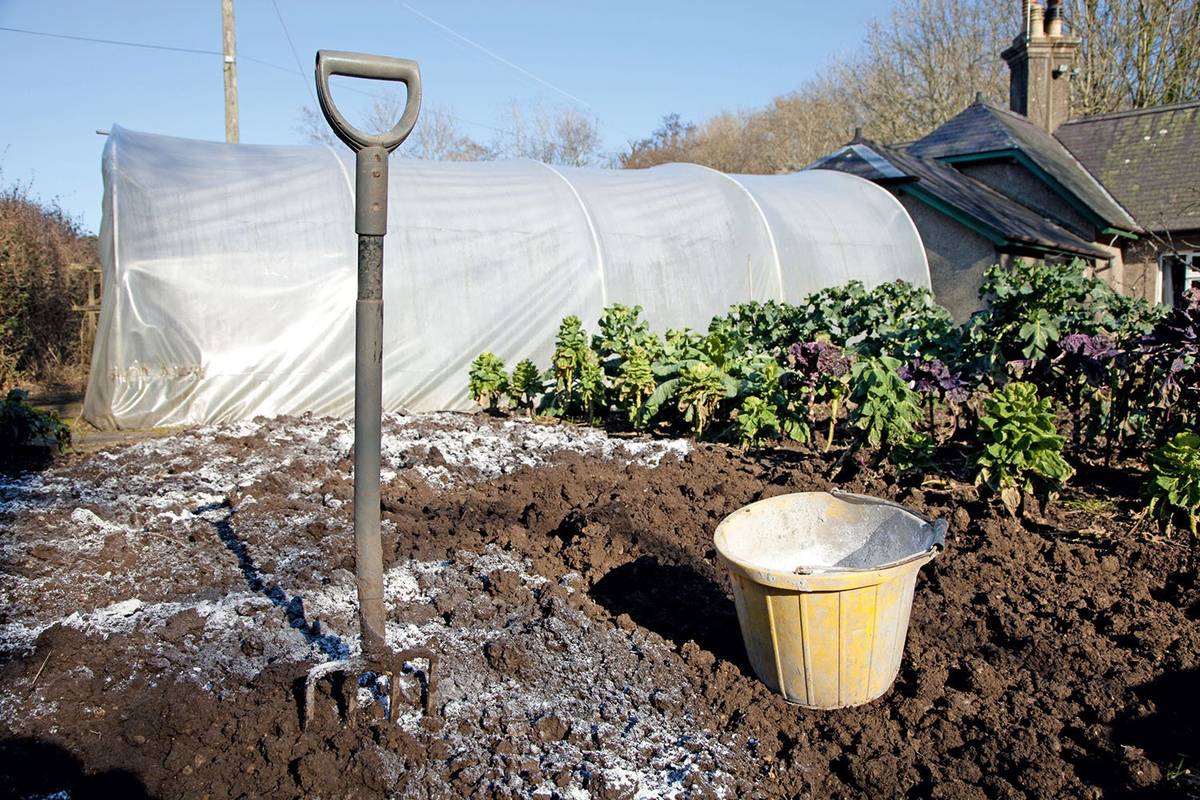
x: 90, y: 311
x: 229, y: 46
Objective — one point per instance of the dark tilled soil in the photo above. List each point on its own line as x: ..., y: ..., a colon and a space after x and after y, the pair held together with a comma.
x: 590, y: 646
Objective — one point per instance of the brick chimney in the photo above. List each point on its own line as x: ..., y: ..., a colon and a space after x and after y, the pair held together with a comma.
x: 1041, y: 62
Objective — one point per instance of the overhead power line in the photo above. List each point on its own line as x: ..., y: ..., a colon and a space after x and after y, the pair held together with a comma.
x: 500, y: 58
x: 144, y: 46
x: 241, y: 56
x: 114, y: 41
x: 295, y: 55
x: 538, y: 79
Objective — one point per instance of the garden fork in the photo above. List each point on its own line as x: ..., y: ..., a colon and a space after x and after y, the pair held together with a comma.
x: 370, y: 223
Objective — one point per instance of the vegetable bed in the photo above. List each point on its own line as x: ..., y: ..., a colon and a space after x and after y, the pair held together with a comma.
x: 159, y: 603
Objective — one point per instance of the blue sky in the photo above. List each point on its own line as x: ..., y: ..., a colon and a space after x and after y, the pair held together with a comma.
x: 629, y: 63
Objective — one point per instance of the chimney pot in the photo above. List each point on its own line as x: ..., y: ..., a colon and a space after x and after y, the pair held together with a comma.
x: 1054, y: 22
x: 1037, y: 23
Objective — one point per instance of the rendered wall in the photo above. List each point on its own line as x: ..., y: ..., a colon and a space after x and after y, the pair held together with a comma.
x: 957, y: 258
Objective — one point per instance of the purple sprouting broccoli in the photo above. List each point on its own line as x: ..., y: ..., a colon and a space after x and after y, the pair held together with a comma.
x: 1089, y: 354
x: 1082, y: 360
x: 934, y: 380
x: 1097, y: 346
x: 934, y: 377
x: 815, y: 360
x: 1174, y: 348
x: 825, y: 369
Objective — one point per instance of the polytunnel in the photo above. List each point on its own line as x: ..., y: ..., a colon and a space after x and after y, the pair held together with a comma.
x: 229, y: 270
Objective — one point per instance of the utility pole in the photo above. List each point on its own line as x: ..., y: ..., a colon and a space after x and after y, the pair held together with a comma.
x: 230, y: 48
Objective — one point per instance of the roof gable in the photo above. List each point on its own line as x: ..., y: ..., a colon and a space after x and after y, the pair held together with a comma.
x: 1149, y: 159
x: 984, y: 129
x: 859, y: 159
x: 971, y: 202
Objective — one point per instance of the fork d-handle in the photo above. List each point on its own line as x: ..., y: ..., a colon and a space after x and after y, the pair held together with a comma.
x: 370, y: 223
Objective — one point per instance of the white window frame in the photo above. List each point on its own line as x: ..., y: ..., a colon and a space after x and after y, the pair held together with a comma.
x: 1191, y: 273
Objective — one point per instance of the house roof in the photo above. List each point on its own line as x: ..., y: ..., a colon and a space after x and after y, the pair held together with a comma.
x: 1148, y: 158
x: 983, y: 129
x: 1002, y: 220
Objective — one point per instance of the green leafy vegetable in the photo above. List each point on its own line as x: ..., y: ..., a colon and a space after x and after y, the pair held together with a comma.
x: 1021, y: 447
x: 487, y: 381
x: 526, y: 384
x: 1174, y: 488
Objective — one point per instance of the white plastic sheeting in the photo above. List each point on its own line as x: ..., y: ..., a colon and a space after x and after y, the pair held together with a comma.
x: 229, y: 270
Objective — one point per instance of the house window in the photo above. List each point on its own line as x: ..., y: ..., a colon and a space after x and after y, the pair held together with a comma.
x: 1180, y: 272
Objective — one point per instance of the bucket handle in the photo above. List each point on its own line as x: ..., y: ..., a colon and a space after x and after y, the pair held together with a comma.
x: 939, y: 526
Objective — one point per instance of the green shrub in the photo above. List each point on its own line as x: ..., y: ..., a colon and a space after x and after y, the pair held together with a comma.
x: 22, y: 425
x: 1021, y: 447
x: 1174, y: 488
x: 487, y: 381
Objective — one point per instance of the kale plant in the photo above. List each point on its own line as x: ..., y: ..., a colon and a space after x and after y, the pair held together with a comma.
x: 701, y: 388
x: 622, y: 329
x: 1021, y: 449
x: 1080, y: 371
x: 764, y: 381
x: 571, y: 353
x: 1172, y: 351
x: 756, y: 421
x: 635, y: 384
x: 526, y: 385
x: 1031, y: 305
x: 591, y: 387
x: 887, y: 411
x: 895, y: 319
x: 1174, y: 488
x: 487, y: 381
x: 770, y: 325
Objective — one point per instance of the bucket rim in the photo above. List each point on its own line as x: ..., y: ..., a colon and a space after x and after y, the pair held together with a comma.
x: 833, y: 578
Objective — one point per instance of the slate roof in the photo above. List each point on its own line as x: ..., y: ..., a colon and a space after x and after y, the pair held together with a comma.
x: 1149, y: 159
x: 1009, y: 220
x: 984, y: 128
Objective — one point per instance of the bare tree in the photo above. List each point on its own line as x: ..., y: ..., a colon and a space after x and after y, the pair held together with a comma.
x: 673, y: 140
x: 915, y: 70
x: 1135, y: 53
x: 925, y: 64
x: 553, y: 135
x: 313, y: 127
x: 792, y: 131
x: 436, y: 137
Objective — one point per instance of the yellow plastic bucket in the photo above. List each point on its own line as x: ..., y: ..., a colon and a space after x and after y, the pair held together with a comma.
x: 823, y: 584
